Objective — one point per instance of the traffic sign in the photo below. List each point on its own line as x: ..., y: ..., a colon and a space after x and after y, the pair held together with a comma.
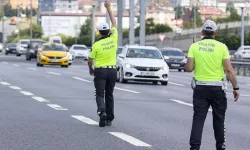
x: 162, y: 36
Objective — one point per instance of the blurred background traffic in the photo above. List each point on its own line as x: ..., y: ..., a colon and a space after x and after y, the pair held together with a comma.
x: 169, y: 25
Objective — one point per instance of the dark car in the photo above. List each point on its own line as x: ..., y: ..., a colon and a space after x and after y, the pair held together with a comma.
x: 177, y: 59
x: 33, y: 47
x: 10, y: 48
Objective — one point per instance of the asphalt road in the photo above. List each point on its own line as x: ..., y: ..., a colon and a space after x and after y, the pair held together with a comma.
x: 54, y: 108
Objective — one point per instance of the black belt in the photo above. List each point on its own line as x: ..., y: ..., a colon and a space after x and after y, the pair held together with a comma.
x: 106, y: 67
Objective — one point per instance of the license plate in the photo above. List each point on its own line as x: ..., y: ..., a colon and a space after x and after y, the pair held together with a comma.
x: 147, y: 73
x: 175, y: 65
x: 54, y: 60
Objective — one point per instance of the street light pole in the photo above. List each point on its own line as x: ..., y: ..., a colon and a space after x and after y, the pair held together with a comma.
x: 31, y: 20
x: 131, y: 22
x: 93, y: 24
x: 3, y: 23
x: 142, y: 22
x: 242, y: 26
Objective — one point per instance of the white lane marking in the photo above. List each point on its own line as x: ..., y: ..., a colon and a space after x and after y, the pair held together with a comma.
x: 130, y: 139
x: 31, y: 68
x: 40, y: 99
x: 5, y: 62
x: 4, y: 83
x: 176, y: 84
x: 26, y: 93
x: 77, y: 78
x: 16, y: 65
x: 244, y: 95
x: 127, y: 90
x: 15, y: 87
x: 85, y: 120
x: 56, y: 107
x: 184, y: 103
x: 53, y: 73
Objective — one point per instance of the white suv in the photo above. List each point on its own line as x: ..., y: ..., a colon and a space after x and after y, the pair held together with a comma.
x: 142, y: 63
x: 21, y: 46
x: 243, y: 52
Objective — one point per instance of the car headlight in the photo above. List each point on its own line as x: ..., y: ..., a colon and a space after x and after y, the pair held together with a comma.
x: 129, y: 66
x: 42, y: 56
x: 7, y: 49
x: 165, y: 68
x: 67, y: 56
x: 32, y: 51
x: 184, y: 60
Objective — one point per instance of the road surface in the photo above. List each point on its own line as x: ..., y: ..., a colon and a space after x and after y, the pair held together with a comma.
x: 54, y: 108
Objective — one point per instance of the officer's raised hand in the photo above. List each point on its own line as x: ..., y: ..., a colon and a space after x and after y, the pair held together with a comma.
x: 107, y: 4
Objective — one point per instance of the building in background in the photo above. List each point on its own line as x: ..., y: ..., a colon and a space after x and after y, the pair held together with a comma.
x: 66, y: 5
x: 46, y: 5
x: 23, y: 4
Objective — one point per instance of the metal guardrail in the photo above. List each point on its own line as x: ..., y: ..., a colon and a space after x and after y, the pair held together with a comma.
x: 241, y: 66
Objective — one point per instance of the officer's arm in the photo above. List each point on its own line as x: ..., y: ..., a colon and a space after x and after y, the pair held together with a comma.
x: 230, y: 72
x: 189, y: 67
x: 112, y: 18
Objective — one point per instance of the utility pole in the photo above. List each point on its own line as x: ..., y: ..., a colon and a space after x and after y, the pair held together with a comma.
x: 18, y: 22
x: 132, y: 22
x: 31, y: 7
x: 93, y: 24
x: 142, y: 22
x: 242, y: 26
x: 3, y: 22
x: 120, y: 5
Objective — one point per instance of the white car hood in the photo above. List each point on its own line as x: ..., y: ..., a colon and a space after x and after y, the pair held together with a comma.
x: 81, y: 51
x: 146, y: 62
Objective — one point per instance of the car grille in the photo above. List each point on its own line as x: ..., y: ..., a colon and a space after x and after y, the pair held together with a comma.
x: 151, y: 77
x: 55, y: 57
x: 175, y: 60
x: 147, y: 68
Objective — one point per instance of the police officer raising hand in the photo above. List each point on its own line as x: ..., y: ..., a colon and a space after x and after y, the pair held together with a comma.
x: 104, y: 71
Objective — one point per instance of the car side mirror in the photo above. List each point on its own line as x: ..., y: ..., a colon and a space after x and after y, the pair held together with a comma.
x: 121, y: 56
x: 165, y: 57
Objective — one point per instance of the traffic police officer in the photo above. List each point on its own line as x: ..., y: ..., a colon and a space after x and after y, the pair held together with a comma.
x: 209, y: 59
x: 104, y: 53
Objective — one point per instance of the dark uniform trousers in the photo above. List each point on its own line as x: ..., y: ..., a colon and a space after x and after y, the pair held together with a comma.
x: 105, y: 79
x: 203, y: 97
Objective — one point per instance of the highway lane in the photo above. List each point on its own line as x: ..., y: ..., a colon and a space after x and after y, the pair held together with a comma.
x: 148, y: 116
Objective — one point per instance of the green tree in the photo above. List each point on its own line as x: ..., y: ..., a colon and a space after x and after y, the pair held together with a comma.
x: 230, y: 6
x: 179, y: 12
x: 86, y: 29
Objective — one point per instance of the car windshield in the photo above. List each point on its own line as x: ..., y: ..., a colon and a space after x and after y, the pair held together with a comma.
x: 53, y: 48
x: 143, y: 53
x: 11, y: 45
x: 119, y: 50
x: 247, y: 48
x: 38, y: 44
x: 24, y: 42
x: 79, y: 48
x: 172, y: 53
x: 56, y: 41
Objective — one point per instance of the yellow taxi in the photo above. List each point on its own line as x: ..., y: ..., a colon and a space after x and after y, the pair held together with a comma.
x: 53, y: 54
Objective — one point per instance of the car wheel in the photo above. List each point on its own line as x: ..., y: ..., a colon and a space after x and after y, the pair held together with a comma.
x: 179, y: 70
x: 164, y: 83
x: 39, y: 65
x: 121, y: 79
x: 155, y: 82
x: 18, y: 55
x: 28, y: 58
x: 117, y: 76
x: 6, y: 53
